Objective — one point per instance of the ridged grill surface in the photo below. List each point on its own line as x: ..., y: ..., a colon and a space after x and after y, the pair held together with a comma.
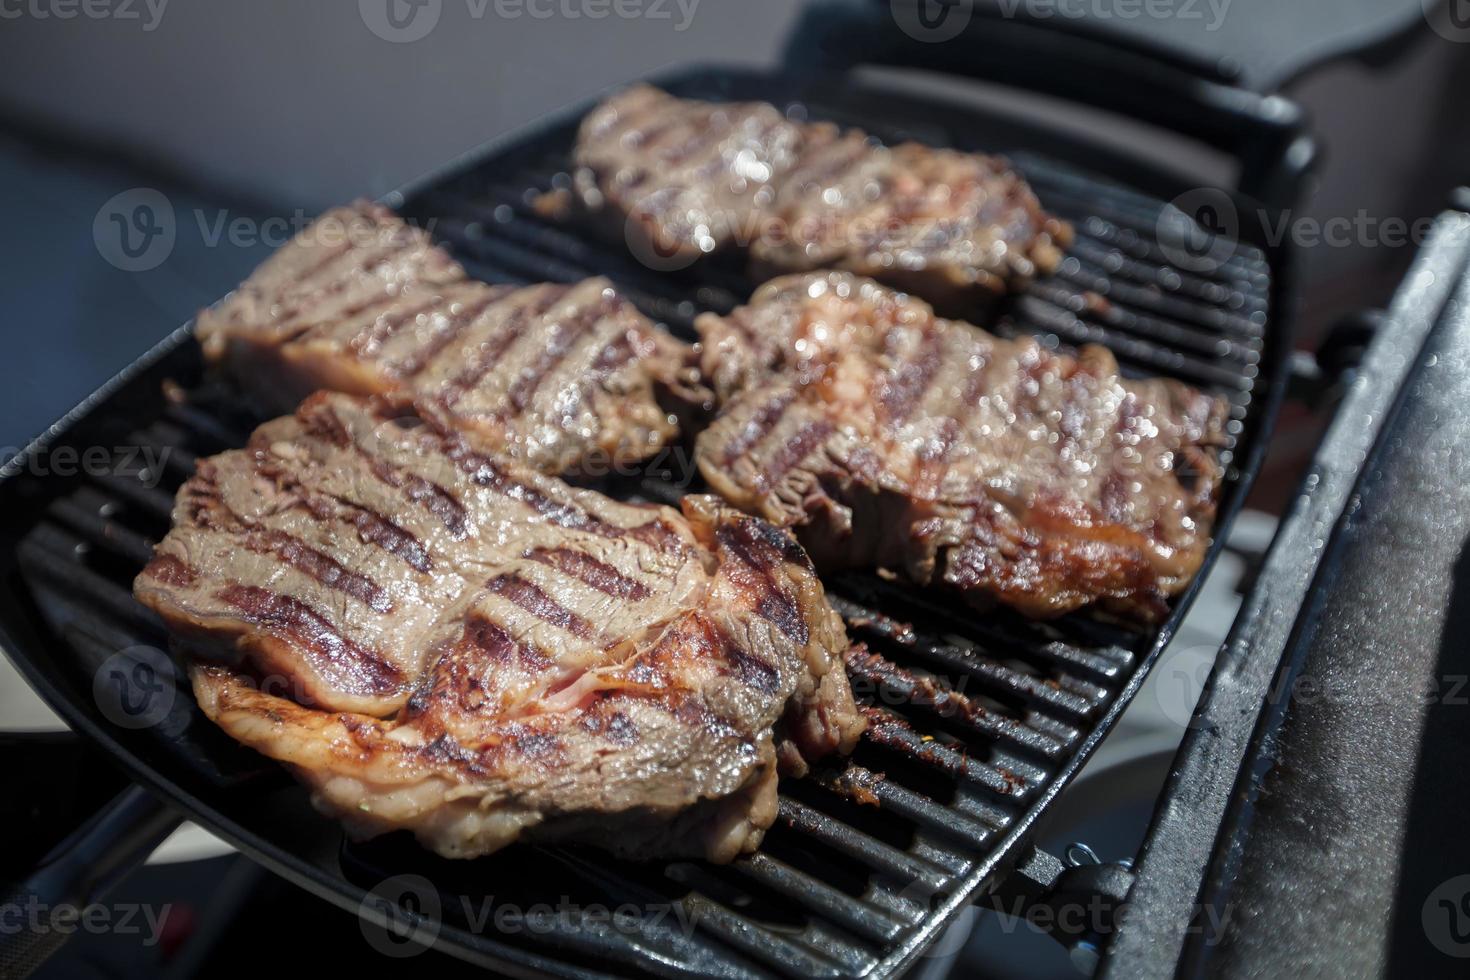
x: 973, y: 718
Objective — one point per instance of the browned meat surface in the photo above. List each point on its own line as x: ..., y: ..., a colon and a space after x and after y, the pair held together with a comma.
x: 955, y: 228
x: 891, y: 438
x: 562, y: 377
x: 440, y: 640
x: 679, y: 178
x: 345, y: 262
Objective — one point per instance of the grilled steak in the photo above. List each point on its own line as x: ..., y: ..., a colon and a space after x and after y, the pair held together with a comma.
x: 681, y: 178
x: 955, y: 228
x: 441, y: 640
x: 891, y: 438
x: 360, y: 302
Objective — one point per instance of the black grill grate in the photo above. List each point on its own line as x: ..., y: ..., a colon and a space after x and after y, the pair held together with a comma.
x: 976, y: 721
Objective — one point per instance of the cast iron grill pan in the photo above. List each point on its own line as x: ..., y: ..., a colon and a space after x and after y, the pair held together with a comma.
x: 977, y: 721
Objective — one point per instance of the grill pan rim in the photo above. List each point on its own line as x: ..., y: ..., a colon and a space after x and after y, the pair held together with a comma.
x: 485, y: 948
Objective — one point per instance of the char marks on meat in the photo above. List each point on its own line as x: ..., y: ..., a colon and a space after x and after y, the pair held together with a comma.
x: 362, y: 302
x: 441, y: 640
x: 679, y: 178
x: 956, y: 228
x: 889, y: 437
x: 682, y: 178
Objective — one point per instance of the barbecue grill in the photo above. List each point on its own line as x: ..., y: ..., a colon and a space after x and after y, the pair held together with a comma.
x: 977, y: 721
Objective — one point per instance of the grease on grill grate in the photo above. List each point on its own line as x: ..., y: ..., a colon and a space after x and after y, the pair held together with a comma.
x: 971, y: 716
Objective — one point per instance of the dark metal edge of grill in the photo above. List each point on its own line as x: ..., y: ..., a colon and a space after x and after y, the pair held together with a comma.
x: 938, y: 892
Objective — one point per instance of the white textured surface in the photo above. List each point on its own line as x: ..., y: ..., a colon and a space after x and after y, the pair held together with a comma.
x: 20, y: 709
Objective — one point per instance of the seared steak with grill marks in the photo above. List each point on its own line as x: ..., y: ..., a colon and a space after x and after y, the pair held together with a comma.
x: 679, y: 178
x: 682, y: 178
x: 955, y: 228
x: 440, y: 640
x: 363, y: 303
x: 888, y: 437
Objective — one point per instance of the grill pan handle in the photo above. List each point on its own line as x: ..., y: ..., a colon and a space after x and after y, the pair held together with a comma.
x: 80, y: 870
x: 1265, y: 134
